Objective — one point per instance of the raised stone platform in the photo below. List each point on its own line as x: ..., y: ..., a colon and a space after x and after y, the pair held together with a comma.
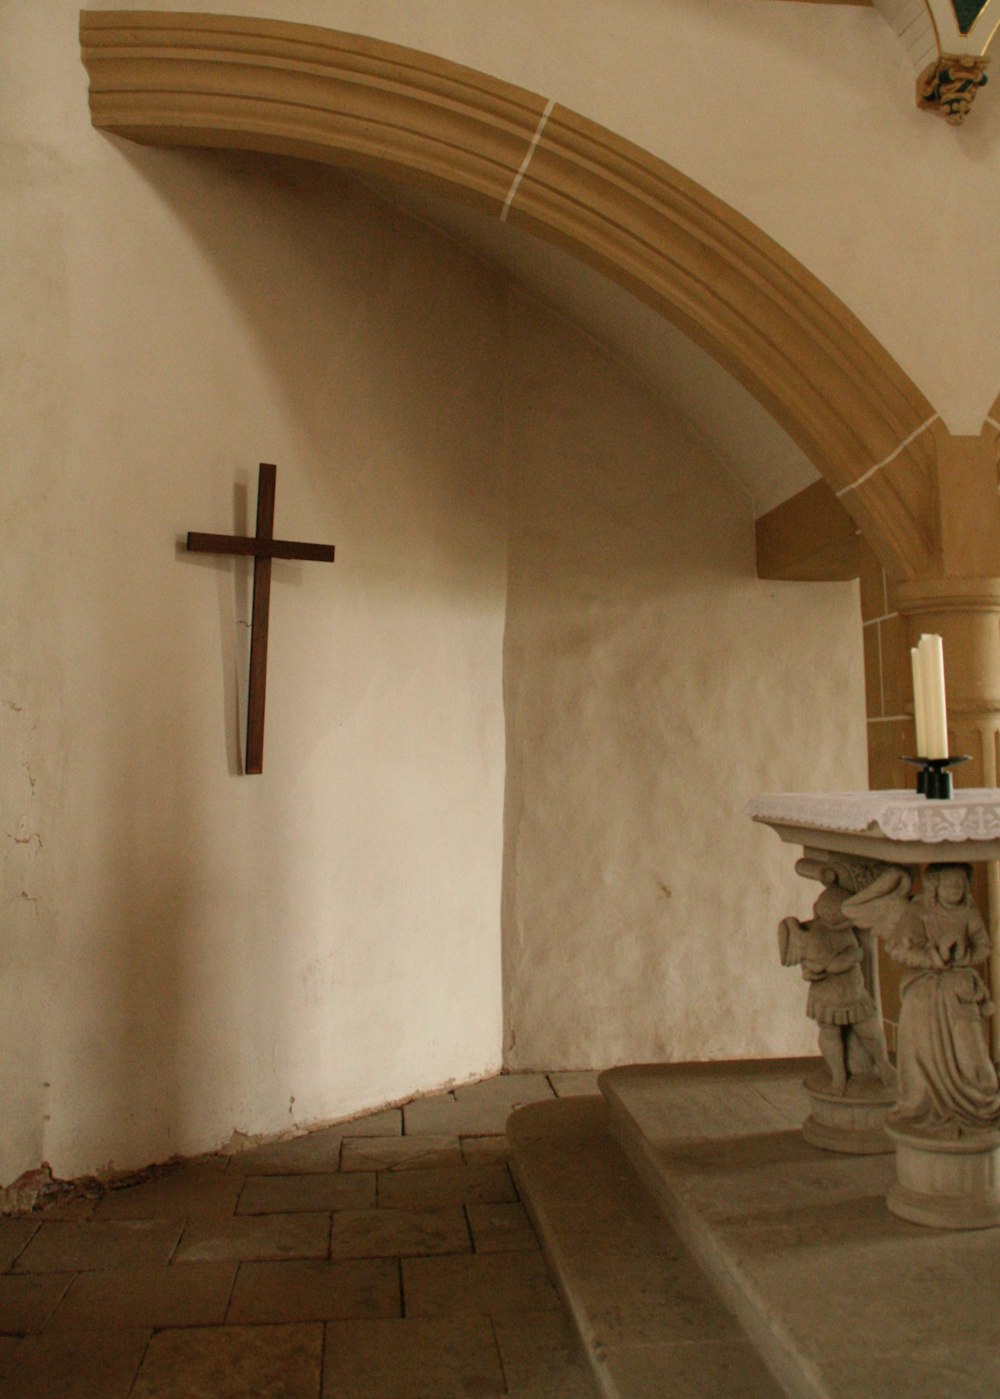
x: 838, y: 1296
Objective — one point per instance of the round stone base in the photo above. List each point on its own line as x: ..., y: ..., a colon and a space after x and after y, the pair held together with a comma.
x: 853, y: 1122
x: 946, y: 1184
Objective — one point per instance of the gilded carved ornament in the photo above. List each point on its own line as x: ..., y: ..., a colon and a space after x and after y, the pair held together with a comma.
x: 947, y: 42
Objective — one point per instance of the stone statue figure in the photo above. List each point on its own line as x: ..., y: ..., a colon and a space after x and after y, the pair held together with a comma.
x: 831, y: 954
x: 948, y: 1082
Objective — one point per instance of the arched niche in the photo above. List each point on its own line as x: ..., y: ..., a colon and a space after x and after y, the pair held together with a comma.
x: 169, y: 79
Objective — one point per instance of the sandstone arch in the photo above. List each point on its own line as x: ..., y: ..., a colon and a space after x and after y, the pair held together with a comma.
x: 236, y: 82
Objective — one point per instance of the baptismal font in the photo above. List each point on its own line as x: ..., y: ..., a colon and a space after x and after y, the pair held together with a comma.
x: 940, y: 1109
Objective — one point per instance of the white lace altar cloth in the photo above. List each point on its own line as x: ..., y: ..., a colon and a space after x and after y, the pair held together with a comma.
x: 973, y: 814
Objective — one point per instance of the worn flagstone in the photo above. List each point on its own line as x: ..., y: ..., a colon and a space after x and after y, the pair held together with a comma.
x: 216, y: 1276
x: 14, y: 1237
x: 490, y: 1282
x: 316, y: 1290
x: 447, y: 1185
x: 399, y: 1233
x: 61, y: 1247
x: 304, y: 1193
x: 179, y: 1195
x: 578, y: 1084
x: 28, y: 1300
x: 233, y: 1362
x: 500, y: 1228
x: 316, y: 1151
x: 179, y: 1294
x: 481, y: 1151
x: 476, y: 1109
x: 81, y: 1365
x: 412, y: 1359
x: 402, y: 1154
x: 255, y: 1236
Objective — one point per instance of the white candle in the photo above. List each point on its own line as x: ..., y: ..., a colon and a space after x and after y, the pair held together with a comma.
x: 919, y: 717
x: 932, y: 677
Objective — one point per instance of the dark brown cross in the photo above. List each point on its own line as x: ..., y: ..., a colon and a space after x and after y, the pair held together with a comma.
x: 263, y: 547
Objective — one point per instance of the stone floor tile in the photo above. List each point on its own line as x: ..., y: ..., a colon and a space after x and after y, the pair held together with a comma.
x: 487, y: 1282
x: 447, y: 1185
x: 65, y: 1247
x: 437, y: 1116
x: 500, y: 1228
x: 27, y: 1300
x: 316, y: 1151
x: 181, y: 1194
x: 14, y: 1236
x: 81, y: 1366
x: 412, y: 1359
x: 576, y: 1084
x: 399, y: 1233
x: 387, y: 1123
x: 299, y: 1194
x: 481, y: 1151
x: 254, y: 1236
x: 316, y: 1290
x: 445, y: 1115
x: 233, y: 1362
x: 512, y: 1089
x: 542, y: 1356
x: 712, y: 1370
x: 179, y: 1294
x: 312, y: 1153
x: 400, y: 1154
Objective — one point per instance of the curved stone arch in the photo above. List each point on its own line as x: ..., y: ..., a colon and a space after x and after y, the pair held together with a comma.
x: 170, y: 79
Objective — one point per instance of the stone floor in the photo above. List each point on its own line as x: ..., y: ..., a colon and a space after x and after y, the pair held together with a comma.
x: 384, y: 1258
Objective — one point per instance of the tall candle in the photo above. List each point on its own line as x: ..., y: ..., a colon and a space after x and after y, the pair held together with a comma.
x: 935, y: 716
x: 919, y: 716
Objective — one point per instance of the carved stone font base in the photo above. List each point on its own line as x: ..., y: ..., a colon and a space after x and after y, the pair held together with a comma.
x: 870, y: 851
x: 947, y: 1184
x: 851, y: 1122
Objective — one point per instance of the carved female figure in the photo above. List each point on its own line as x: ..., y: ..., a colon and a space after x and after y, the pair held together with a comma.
x: 948, y: 1083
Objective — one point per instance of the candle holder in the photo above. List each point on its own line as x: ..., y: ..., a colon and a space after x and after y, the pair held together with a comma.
x: 934, y: 779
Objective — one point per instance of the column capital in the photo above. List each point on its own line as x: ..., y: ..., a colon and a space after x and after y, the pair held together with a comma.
x: 916, y: 596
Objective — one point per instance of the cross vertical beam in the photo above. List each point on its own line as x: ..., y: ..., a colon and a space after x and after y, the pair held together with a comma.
x: 260, y: 618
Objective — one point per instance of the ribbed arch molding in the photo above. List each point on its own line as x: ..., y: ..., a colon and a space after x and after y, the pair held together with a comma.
x: 171, y: 79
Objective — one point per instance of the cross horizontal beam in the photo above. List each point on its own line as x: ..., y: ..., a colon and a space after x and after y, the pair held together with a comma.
x: 257, y: 548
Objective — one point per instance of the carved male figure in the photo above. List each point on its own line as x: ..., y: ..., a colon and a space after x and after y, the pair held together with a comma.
x: 829, y: 950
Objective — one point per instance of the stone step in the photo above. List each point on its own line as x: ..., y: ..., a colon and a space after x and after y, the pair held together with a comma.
x: 651, y: 1325
x: 841, y: 1298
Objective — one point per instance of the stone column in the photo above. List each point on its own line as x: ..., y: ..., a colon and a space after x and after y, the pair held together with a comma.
x: 965, y: 612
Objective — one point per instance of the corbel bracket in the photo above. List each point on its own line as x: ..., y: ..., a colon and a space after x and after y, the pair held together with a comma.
x: 947, y: 42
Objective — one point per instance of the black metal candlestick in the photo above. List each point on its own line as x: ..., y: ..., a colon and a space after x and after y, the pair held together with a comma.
x: 934, y: 779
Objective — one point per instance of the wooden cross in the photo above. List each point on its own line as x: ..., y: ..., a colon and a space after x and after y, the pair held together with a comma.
x: 263, y: 547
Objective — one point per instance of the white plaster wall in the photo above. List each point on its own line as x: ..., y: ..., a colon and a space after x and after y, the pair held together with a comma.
x: 653, y: 685
x: 187, y: 952
x: 801, y: 116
